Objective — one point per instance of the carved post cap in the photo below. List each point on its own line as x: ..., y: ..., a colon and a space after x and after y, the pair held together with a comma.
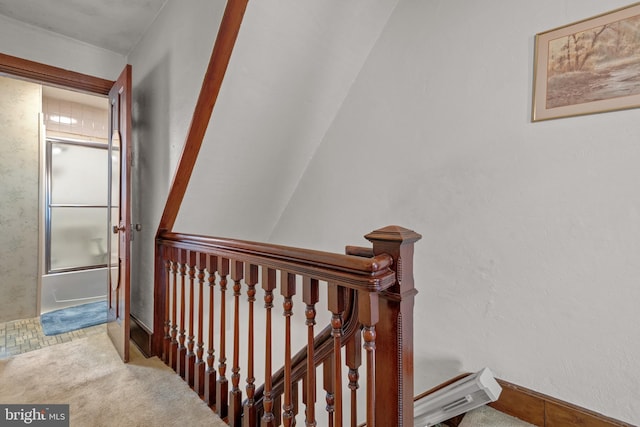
x: 398, y: 242
x: 393, y: 233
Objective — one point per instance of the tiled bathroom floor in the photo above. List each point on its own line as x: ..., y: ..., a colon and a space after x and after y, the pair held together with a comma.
x: 21, y: 336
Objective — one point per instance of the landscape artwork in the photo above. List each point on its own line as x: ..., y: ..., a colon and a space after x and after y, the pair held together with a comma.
x: 588, y: 67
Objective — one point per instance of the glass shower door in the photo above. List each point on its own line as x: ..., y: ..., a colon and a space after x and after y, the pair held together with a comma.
x: 77, y: 206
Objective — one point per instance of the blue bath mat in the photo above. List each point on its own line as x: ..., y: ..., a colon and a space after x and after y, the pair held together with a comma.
x: 72, y: 318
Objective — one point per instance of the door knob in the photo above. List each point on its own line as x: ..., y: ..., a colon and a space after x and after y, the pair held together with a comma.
x: 116, y: 229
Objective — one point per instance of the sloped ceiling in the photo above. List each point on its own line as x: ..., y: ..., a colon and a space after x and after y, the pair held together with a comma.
x: 292, y: 67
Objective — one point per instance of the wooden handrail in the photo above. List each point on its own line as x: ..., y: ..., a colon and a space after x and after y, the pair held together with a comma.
x: 373, y: 274
x: 368, y: 290
x: 370, y: 296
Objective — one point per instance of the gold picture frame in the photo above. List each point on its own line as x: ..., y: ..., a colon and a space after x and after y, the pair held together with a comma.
x: 590, y: 66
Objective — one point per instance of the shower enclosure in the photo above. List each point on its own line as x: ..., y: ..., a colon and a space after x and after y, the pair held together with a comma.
x: 75, y: 248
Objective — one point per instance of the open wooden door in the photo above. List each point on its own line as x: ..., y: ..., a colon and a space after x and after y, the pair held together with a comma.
x: 120, y: 213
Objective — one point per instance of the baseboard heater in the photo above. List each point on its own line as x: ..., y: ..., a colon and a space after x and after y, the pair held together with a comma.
x: 457, y: 398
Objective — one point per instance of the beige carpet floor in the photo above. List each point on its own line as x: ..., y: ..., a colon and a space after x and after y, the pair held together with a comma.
x: 88, y: 375
x: 487, y: 416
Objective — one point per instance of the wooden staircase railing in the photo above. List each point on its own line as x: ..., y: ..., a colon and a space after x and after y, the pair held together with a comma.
x: 365, y: 296
x: 369, y: 296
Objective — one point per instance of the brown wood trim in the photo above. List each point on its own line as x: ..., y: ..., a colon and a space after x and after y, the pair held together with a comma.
x: 43, y: 73
x: 545, y: 411
x: 535, y: 408
x: 140, y: 335
x: 222, y: 49
x: 372, y: 274
x: 321, y: 259
x: 160, y: 302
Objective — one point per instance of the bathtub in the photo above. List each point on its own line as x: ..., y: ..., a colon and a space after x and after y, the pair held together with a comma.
x: 61, y: 290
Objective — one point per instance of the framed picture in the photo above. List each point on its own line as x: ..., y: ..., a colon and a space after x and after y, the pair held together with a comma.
x: 591, y: 66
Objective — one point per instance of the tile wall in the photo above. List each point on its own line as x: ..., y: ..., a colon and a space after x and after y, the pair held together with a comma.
x: 64, y: 118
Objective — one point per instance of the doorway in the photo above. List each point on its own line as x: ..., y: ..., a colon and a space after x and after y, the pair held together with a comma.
x: 30, y: 156
x: 52, y: 257
x: 119, y: 124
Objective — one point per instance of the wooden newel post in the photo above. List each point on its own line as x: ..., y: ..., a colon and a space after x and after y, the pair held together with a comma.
x: 160, y: 298
x: 394, y: 330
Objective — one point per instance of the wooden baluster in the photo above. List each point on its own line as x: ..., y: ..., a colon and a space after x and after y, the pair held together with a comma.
x: 336, y: 304
x: 305, y: 399
x: 190, y: 361
x: 182, y: 349
x: 370, y: 347
x: 310, y: 296
x: 235, y: 396
x: 210, y: 373
x: 354, y: 361
x: 268, y: 284
x: 368, y: 314
x: 327, y: 382
x: 222, y: 385
x: 166, y: 347
x: 199, y: 367
x: 277, y: 403
x: 294, y: 398
x: 173, y: 351
x: 249, y: 416
x: 288, y: 290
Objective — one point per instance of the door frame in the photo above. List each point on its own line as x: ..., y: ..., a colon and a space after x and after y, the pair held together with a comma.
x: 42, y: 73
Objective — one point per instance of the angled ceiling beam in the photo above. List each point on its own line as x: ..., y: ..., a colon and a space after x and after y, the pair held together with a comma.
x: 222, y: 49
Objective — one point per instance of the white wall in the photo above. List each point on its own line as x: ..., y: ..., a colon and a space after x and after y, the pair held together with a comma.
x: 530, y: 253
x: 34, y: 44
x: 167, y: 68
x: 291, y: 69
x: 530, y: 258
